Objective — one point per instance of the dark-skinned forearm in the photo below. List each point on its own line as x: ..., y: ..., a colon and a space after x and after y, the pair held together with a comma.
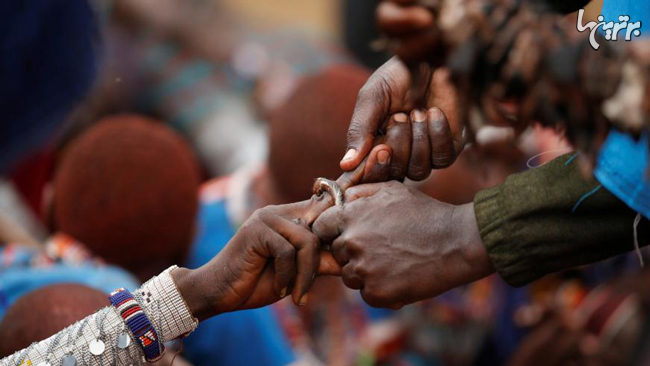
x: 199, y: 290
x: 476, y: 260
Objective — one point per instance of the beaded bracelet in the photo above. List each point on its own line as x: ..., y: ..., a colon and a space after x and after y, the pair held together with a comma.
x: 138, y: 323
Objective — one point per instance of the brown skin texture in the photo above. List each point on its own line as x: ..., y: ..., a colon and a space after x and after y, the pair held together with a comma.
x: 432, y: 144
x: 258, y: 266
x: 421, y: 139
x: 399, y: 246
x: 271, y: 250
x: 389, y: 92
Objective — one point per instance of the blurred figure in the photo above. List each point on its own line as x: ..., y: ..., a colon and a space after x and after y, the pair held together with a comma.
x: 204, y: 71
x: 126, y: 189
x: 605, y: 326
x: 49, y: 60
x: 72, y: 75
x: 44, y: 312
x: 60, y: 259
x: 360, y: 31
x: 37, y: 70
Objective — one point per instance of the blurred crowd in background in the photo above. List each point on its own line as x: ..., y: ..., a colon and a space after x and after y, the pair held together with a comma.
x: 205, y: 110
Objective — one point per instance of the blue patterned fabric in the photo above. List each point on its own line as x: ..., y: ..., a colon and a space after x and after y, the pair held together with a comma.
x: 638, y: 10
x: 623, y: 161
x: 623, y: 170
x: 249, y: 337
x: 19, y: 274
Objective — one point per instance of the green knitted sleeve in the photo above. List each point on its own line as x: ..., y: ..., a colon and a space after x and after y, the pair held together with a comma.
x: 549, y: 219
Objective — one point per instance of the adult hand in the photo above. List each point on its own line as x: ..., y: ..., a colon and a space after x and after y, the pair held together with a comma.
x: 269, y: 257
x: 420, y: 139
x: 399, y: 246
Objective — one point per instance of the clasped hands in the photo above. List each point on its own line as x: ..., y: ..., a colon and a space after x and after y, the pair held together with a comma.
x: 391, y: 242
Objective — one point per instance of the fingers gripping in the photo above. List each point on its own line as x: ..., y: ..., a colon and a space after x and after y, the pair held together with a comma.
x: 420, y: 162
x: 443, y: 151
x: 305, y: 247
x: 398, y: 136
x: 284, y: 262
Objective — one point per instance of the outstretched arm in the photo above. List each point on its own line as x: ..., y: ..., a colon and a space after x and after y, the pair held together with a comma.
x: 399, y: 246
x: 271, y: 256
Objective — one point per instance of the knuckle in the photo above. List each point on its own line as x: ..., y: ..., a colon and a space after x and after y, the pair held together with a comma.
x: 397, y: 170
x: 355, y: 133
x: 251, y: 228
x: 371, y: 298
x: 270, y: 210
x: 287, y: 255
x: 257, y: 214
x: 367, y: 92
x: 340, y: 244
x: 351, y: 282
x: 383, y: 295
x: 418, y: 173
x: 354, y: 247
x: 362, y: 270
x: 442, y: 160
x: 312, y: 241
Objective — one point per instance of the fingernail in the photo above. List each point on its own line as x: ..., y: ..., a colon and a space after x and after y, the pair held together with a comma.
x: 435, y: 114
x: 349, y: 154
x: 383, y: 157
x: 418, y: 115
x: 303, y: 300
x: 400, y: 117
x: 283, y: 292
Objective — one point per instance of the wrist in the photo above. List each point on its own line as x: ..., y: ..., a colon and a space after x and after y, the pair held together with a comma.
x: 475, y: 257
x: 194, y: 286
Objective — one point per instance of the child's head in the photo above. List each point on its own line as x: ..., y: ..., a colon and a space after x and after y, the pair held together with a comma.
x: 127, y: 189
x: 44, y: 312
x: 308, y: 133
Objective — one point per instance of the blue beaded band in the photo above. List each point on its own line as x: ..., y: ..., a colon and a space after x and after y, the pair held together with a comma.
x: 137, y: 321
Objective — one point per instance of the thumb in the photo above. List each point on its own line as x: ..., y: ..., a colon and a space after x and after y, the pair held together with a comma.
x: 366, y: 119
x: 383, y: 94
x: 375, y: 168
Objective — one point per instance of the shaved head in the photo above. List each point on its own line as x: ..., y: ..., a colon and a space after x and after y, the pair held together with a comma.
x: 46, y: 311
x: 127, y: 189
x: 308, y: 133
